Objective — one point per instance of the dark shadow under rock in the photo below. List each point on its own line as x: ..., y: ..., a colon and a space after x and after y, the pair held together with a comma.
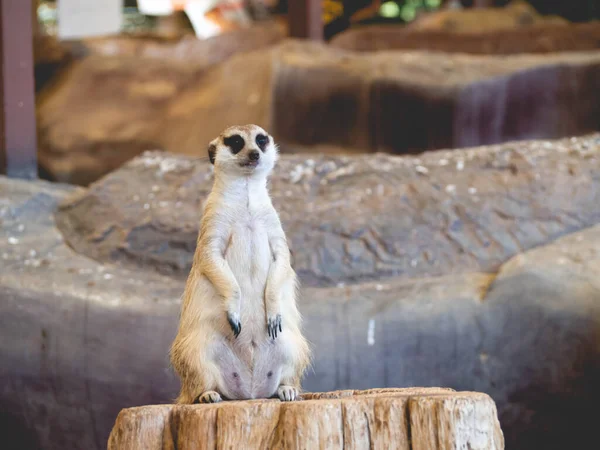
x: 407, y: 102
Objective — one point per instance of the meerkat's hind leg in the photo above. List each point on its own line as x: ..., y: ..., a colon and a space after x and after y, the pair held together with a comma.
x: 209, y: 397
x: 287, y: 393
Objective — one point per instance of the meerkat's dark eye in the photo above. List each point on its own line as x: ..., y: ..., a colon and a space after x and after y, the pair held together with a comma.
x: 262, y: 141
x: 235, y: 143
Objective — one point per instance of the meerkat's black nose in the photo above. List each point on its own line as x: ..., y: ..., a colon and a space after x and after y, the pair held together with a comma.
x: 254, y: 155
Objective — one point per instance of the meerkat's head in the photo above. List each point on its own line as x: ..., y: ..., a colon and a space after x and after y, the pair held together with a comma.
x: 243, y: 151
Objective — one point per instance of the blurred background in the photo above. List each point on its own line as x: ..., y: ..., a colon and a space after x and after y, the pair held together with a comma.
x: 439, y: 185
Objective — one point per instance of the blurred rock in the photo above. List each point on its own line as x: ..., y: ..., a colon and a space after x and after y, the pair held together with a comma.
x: 105, y: 110
x: 407, y: 102
x: 186, y: 47
x: 82, y: 339
x: 546, y: 38
x: 174, y: 24
x: 50, y: 56
x: 47, y: 49
x: 516, y: 14
x: 108, y: 106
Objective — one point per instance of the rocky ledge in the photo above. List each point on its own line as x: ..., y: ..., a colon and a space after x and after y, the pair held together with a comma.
x: 355, y: 218
x: 547, y: 38
x: 85, y: 330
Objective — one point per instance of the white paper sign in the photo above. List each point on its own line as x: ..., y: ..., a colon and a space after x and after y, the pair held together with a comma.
x: 87, y: 18
x: 166, y: 7
x: 196, y: 11
x: 155, y: 7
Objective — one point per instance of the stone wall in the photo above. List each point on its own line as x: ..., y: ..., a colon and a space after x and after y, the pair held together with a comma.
x: 473, y: 269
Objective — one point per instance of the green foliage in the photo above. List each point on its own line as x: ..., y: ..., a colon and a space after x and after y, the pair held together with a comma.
x: 406, y: 10
x: 573, y: 10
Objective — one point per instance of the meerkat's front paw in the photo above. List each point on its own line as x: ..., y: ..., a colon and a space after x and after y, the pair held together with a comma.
x: 209, y: 397
x: 287, y: 393
x: 235, y: 323
x: 274, y: 325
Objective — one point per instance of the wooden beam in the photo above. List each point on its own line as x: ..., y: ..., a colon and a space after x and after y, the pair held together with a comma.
x: 305, y: 19
x: 18, y: 143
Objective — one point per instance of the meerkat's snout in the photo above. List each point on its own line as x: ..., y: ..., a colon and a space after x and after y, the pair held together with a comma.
x: 253, y: 159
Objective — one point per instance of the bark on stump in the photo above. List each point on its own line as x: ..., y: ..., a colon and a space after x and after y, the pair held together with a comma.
x: 413, y: 418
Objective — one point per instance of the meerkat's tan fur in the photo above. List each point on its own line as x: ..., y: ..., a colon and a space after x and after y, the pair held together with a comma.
x: 240, y: 333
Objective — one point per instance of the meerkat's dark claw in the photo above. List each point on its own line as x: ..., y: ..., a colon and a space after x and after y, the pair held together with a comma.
x: 273, y: 326
x: 235, y: 324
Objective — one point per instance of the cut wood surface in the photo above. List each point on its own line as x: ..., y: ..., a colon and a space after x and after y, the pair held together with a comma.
x: 411, y: 418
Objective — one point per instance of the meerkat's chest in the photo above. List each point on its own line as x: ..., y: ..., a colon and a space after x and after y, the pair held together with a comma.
x: 248, y: 251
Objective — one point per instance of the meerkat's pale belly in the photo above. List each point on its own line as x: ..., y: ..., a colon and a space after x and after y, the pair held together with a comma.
x: 249, y: 256
x: 250, y: 364
x: 240, y: 380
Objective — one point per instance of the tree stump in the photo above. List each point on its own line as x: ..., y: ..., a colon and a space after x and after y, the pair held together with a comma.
x: 413, y: 418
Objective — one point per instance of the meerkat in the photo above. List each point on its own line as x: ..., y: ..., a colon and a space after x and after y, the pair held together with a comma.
x: 240, y: 333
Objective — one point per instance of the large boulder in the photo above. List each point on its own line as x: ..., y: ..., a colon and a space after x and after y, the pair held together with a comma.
x: 107, y: 103
x: 517, y: 14
x: 84, y: 132
x: 52, y: 55
x: 351, y: 218
x: 549, y: 38
x: 83, y: 335
x: 49, y: 57
x: 407, y: 102
x: 309, y: 95
x: 186, y: 48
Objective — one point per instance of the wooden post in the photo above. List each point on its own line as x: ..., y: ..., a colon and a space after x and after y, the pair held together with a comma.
x: 305, y: 19
x: 416, y: 418
x: 18, y: 141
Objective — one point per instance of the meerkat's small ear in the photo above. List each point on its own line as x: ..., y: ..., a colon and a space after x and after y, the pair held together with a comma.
x: 212, y: 153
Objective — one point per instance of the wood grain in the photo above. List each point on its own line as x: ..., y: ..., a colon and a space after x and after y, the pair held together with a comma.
x: 403, y: 419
